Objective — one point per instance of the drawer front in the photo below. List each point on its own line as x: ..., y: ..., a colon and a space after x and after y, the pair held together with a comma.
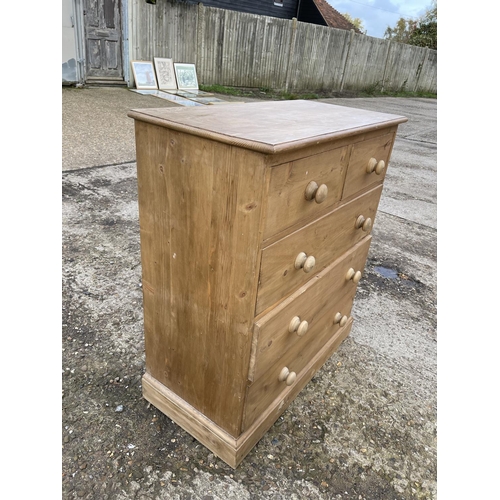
x: 368, y: 163
x: 319, y: 244
x: 268, y: 387
x: 296, y: 320
x: 299, y: 190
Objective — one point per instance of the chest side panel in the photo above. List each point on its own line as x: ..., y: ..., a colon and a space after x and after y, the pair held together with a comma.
x: 200, y: 208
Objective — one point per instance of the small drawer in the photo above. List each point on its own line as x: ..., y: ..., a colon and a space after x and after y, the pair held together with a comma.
x: 368, y: 163
x: 292, y: 261
x: 288, y: 370
x: 295, y: 320
x: 301, y: 189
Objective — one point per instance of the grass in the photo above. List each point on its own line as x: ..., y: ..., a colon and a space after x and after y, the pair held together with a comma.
x: 376, y: 91
x: 220, y: 89
x: 267, y: 93
x: 262, y: 92
x: 395, y: 93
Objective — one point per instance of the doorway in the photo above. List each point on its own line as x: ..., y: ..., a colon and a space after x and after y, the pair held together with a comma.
x: 103, y: 41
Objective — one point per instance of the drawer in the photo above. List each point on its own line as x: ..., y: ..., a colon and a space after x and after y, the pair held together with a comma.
x: 292, y: 261
x: 268, y: 387
x: 368, y: 163
x: 296, y: 320
x: 301, y: 189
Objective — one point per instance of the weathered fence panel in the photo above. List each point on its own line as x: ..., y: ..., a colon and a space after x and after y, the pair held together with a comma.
x: 366, y: 63
x: 254, y: 50
x: 337, y: 49
x: 167, y: 29
x: 403, y: 67
x: 428, y: 75
x: 307, y: 58
x: 246, y: 50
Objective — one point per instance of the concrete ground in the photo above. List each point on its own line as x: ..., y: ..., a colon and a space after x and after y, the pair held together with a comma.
x: 363, y: 429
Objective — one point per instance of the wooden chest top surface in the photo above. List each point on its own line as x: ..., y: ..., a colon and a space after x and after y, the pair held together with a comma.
x: 269, y: 127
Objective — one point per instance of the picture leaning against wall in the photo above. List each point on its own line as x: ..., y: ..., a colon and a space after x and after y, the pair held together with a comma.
x: 186, y: 76
x: 144, y: 74
x: 165, y: 73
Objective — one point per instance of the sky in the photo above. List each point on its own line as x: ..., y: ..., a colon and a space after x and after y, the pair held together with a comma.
x: 377, y: 15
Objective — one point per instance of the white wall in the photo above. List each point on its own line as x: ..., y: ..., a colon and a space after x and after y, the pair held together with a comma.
x: 69, y: 56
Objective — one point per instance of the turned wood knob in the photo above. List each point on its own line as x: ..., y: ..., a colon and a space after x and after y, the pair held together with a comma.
x: 380, y: 167
x: 375, y: 166
x: 363, y: 223
x: 319, y: 193
x: 298, y: 326
x: 340, y: 319
x: 287, y: 376
x: 302, y: 261
x: 355, y: 276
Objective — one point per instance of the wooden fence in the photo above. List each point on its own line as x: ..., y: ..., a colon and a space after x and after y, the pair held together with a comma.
x: 245, y: 50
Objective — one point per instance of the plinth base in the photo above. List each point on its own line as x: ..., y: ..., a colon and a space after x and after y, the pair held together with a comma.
x: 228, y: 448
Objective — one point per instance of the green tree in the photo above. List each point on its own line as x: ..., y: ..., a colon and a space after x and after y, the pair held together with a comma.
x: 422, y: 32
x: 356, y: 21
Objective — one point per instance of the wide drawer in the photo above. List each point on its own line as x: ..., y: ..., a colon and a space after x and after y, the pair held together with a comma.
x: 296, y: 320
x: 283, y: 374
x: 303, y: 188
x: 315, y: 246
x: 368, y: 163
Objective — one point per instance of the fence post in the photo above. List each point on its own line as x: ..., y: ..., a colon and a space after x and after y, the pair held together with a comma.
x: 200, y: 41
x: 386, y: 65
x: 291, y: 51
x: 346, y: 63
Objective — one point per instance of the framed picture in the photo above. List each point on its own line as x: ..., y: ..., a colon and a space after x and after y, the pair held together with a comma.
x: 186, y: 76
x: 144, y: 74
x: 165, y: 73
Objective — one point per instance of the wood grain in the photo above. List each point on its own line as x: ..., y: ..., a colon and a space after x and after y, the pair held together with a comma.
x: 272, y: 337
x: 223, y: 445
x: 232, y: 252
x: 270, y: 127
x: 267, y: 388
x: 287, y: 203
x: 200, y: 211
x: 327, y: 238
x: 357, y: 177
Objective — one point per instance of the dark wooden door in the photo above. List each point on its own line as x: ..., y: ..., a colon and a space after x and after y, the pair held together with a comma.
x: 103, y: 38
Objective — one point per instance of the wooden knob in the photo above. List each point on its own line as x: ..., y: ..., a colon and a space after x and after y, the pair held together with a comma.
x: 355, y: 276
x: 375, y: 166
x: 298, y: 326
x: 372, y: 163
x: 340, y: 319
x: 321, y: 194
x: 337, y: 318
x: 318, y: 193
x: 302, y: 329
x: 287, y: 376
x: 380, y: 167
x: 310, y: 191
x: 302, y: 261
x: 309, y: 264
x: 363, y: 223
x: 291, y: 378
x: 294, y: 324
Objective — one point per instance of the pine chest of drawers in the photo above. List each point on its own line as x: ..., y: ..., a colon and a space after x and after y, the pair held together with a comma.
x: 255, y: 224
